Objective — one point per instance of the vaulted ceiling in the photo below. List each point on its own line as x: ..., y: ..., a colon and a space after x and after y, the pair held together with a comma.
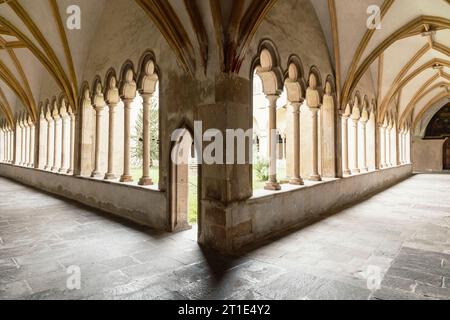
x: 407, y: 59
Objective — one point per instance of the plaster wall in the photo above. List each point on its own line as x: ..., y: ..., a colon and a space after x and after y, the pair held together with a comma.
x: 427, y: 155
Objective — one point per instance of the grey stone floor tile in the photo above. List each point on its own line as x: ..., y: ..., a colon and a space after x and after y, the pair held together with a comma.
x: 404, y: 231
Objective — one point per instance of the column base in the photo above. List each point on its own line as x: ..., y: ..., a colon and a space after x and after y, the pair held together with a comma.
x: 110, y: 176
x: 145, y: 181
x: 182, y: 227
x: 126, y: 178
x: 63, y: 170
x: 315, y: 178
x: 54, y: 169
x: 70, y: 172
x: 96, y: 174
x: 365, y: 170
x: 272, y: 186
x: 296, y: 181
x: 347, y: 172
x: 356, y: 171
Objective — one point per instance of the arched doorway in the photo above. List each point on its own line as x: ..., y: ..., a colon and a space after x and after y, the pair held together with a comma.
x: 184, y: 183
x: 446, y: 154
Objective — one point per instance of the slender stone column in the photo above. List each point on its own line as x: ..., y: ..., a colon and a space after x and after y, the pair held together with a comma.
x: 72, y: 142
x: 2, y: 147
x: 16, y: 144
x: 296, y: 179
x: 383, y: 144
x: 344, y: 126
x: 405, y: 160
x: 355, y: 170
x: 21, y: 143
x: 57, y: 140
x: 8, y: 137
x: 364, y: 165
x: 146, y: 180
x: 32, y: 142
x: 6, y: 133
x: 126, y: 176
x: 111, y: 140
x: 98, y: 140
x: 272, y: 184
x: 315, y: 144
x: 363, y: 121
x: 27, y: 143
x: 408, y: 146
x: 65, y: 121
x: 6, y: 145
x: 2, y: 143
x: 400, y: 146
x: 10, y: 142
x: 389, y: 145
x: 50, y: 140
x: 11, y: 147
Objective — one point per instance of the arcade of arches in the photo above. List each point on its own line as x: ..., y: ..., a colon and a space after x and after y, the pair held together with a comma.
x: 339, y: 111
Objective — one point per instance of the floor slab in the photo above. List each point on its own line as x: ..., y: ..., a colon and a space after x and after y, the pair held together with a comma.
x: 394, y: 245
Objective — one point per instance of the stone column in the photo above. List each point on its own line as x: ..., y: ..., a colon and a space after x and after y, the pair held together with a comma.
x: 408, y: 146
x: 57, y: 141
x: 272, y: 184
x: 2, y: 148
x: 315, y: 144
x: 146, y: 180
x: 296, y: 179
x: 111, y: 140
x: 364, y: 165
x: 32, y: 142
x: 21, y: 143
x: 383, y: 145
x: 17, y: 144
x: 2, y: 143
x: 400, y: 146
x: 355, y: 121
x: 405, y: 161
x: 344, y: 125
x: 10, y: 142
x: 388, y: 145
x: 126, y: 176
x: 72, y: 142
x: 50, y: 140
x: 27, y: 143
x: 65, y: 120
x: 98, y: 140
x: 7, y: 145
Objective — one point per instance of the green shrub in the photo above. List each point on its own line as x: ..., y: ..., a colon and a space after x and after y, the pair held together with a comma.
x: 261, y: 168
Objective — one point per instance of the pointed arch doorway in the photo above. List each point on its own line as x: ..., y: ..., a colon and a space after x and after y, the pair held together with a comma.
x: 185, y: 178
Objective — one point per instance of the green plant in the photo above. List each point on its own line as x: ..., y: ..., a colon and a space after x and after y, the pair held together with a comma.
x: 138, y: 136
x: 261, y: 168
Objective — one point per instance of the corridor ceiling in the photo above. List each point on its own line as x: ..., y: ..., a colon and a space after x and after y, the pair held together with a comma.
x: 407, y: 58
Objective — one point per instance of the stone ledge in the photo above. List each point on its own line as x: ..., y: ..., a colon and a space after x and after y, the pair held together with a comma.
x: 142, y: 205
x: 278, y: 212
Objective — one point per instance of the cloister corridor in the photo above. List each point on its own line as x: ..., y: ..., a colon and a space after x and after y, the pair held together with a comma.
x: 397, y: 240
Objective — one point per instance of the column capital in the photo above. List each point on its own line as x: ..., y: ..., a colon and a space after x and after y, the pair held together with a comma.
x: 272, y: 99
x: 314, y: 110
x: 99, y: 108
x: 112, y: 106
x: 147, y: 96
x: 127, y: 102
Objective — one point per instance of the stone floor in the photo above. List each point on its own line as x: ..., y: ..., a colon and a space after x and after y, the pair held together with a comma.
x: 395, y: 245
